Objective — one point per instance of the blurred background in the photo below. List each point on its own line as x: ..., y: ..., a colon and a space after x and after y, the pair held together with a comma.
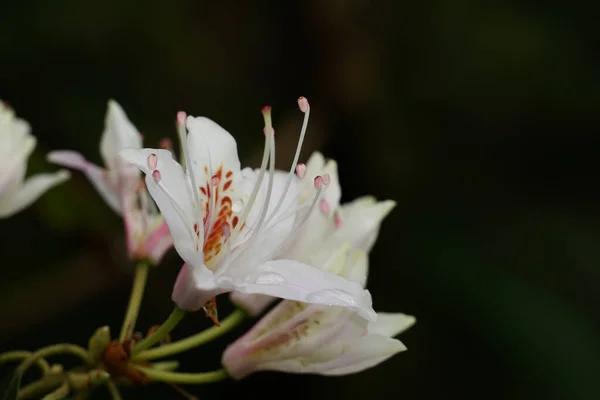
x: 479, y: 118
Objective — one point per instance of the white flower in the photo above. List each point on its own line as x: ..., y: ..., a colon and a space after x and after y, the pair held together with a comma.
x: 16, y: 145
x: 307, y: 338
x: 231, y: 226
x: 121, y: 186
x: 325, y: 231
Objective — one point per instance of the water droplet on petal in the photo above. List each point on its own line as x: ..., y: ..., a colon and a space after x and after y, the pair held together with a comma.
x: 270, y: 278
x: 237, y: 206
x: 331, y: 297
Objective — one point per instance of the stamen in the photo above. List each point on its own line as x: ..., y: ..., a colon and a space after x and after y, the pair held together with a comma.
x: 156, y: 176
x: 261, y: 174
x: 301, y: 170
x: 152, y: 161
x: 305, y: 108
x: 263, y: 213
x: 298, y: 225
x: 337, y: 220
x: 326, y: 179
x: 318, y: 182
x: 214, y: 180
x: 324, y: 206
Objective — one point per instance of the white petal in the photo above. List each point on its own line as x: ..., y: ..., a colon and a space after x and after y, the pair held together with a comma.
x: 391, y: 324
x: 15, y: 155
x: 173, y: 197
x: 361, y: 220
x: 95, y: 174
x: 296, y: 281
x: 253, y: 304
x: 367, y: 352
x: 291, y: 330
x: 213, y: 154
x: 194, y: 286
x: 33, y: 188
x: 119, y: 133
x: 275, y: 231
x: 358, y: 267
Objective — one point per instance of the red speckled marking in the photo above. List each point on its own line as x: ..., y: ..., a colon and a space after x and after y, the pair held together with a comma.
x: 213, y: 243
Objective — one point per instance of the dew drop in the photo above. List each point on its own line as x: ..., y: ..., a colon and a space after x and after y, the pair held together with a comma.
x: 331, y: 297
x: 270, y: 278
x: 237, y: 206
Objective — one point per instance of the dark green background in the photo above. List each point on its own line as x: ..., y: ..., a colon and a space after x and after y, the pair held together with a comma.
x: 479, y: 118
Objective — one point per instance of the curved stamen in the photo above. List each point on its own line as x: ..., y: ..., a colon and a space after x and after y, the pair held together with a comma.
x: 305, y: 108
x: 297, y: 226
x: 263, y: 168
x: 255, y: 230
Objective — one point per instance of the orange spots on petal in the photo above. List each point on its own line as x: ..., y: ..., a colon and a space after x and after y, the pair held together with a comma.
x: 226, y: 185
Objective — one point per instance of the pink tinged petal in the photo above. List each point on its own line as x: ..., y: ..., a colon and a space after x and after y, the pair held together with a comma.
x: 96, y: 175
x: 159, y: 242
x: 367, y: 352
x: 253, y: 304
x: 172, y: 194
x: 194, y: 287
x: 297, y: 281
x: 291, y: 330
x: 119, y: 133
x: 31, y: 190
x: 391, y: 324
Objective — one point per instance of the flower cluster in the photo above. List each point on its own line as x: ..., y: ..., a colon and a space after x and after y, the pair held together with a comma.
x: 260, y: 235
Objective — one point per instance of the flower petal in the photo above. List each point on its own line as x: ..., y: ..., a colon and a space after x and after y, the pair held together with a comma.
x: 276, y: 228
x: 95, y: 174
x: 290, y: 330
x: 171, y: 191
x: 391, y: 324
x: 293, y: 280
x: 216, y: 170
x: 31, y: 190
x: 194, y: 286
x: 119, y: 133
x: 253, y: 304
x: 357, y: 268
x: 366, y: 352
x: 361, y: 220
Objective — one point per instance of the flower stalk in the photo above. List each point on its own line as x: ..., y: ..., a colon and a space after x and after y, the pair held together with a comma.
x: 182, y: 377
x: 135, y: 300
x: 176, y: 315
x: 194, y: 341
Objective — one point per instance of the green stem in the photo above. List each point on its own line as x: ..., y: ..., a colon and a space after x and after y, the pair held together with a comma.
x: 194, y: 341
x: 60, y: 393
x: 61, y: 348
x: 113, y: 390
x: 21, y: 355
x: 44, y: 385
x: 167, y: 326
x: 182, y: 377
x: 135, y: 300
